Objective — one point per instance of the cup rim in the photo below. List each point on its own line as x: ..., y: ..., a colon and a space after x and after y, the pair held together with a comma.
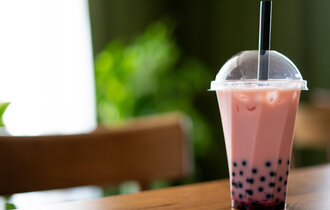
x: 259, y: 84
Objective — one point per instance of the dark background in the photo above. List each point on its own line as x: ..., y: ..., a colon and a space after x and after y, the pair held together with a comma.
x: 213, y: 31
x: 216, y: 30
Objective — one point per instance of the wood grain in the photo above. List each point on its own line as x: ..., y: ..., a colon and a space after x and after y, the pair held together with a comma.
x: 142, y: 150
x: 309, y: 188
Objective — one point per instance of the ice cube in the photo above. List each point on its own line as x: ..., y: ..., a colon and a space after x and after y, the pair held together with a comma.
x: 272, y: 96
x: 294, y: 95
x: 251, y: 107
x: 241, y: 96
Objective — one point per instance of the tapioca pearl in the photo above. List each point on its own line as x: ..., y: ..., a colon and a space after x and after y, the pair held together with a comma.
x: 277, y: 200
x: 249, y: 192
x: 232, y: 193
x: 250, y: 180
x: 262, y: 178
x: 288, y: 162
x: 260, y: 189
x: 279, y: 189
x: 233, y: 183
x: 287, y: 172
x: 272, y: 173
x: 271, y: 184
x: 268, y: 164
x: 234, y: 164
x: 254, y: 170
x: 241, y: 173
x: 280, y: 161
x: 255, y: 203
x: 285, y: 182
x: 240, y: 196
x: 233, y: 174
x: 280, y: 178
x: 240, y: 184
x: 244, y: 163
x: 269, y: 196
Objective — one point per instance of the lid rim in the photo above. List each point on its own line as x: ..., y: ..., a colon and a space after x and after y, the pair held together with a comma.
x: 253, y: 83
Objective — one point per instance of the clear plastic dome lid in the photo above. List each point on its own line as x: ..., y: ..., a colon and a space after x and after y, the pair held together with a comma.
x: 242, y: 71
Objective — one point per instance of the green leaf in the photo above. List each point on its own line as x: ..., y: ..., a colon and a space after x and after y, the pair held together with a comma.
x: 9, y: 206
x: 3, y: 107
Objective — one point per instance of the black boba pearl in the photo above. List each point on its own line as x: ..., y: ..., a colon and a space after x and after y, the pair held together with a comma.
x: 240, y: 184
x: 285, y: 182
x: 277, y: 200
x: 249, y: 192
x: 234, y: 174
x: 240, y: 196
x: 235, y: 164
x: 272, y: 173
x: 244, y: 163
x: 241, y: 173
x: 288, y: 162
x: 271, y: 184
x: 250, y: 180
x: 233, y: 183
x: 254, y: 170
x: 233, y: 193
x: 279, y: 189
x: 268, y: 164
x: 279, y: 161
x: 262, y: 179
x: 260, y: 189
x: 287, y: 172
x: 268, y: 196
x: 280, y: 179
x: 255, y: 203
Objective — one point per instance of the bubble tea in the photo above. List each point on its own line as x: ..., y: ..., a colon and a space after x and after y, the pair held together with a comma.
x: 258, y: 120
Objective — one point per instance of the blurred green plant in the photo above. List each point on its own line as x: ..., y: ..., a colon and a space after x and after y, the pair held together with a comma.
x: 3, y: 107
x: 150, y: 75
x: 8, y: 205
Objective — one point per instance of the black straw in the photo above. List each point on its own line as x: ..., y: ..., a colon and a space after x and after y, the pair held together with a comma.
x: 264, y: 38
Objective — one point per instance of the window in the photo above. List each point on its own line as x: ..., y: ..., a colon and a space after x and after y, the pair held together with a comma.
x: 46, y: 66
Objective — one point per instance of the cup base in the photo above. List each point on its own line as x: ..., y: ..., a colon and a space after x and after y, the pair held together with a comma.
x: 257, y: 206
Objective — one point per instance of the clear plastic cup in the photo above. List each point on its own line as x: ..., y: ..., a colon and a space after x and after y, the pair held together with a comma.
x: 258, y: 118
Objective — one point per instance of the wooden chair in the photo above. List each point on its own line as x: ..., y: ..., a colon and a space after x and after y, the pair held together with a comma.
x: 313, y: 128
x: 143, y: 150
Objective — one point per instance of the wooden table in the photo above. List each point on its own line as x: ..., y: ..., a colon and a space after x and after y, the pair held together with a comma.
x: 309, y: 188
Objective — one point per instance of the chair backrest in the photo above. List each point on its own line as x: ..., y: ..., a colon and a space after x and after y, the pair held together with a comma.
x: 312, y: 127
x: 142, y: 150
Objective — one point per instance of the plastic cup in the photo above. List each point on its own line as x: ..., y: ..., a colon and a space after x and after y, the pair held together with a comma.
x: 258, y: 118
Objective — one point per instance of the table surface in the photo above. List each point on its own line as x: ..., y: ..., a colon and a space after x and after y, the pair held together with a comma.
x: 309, y: 188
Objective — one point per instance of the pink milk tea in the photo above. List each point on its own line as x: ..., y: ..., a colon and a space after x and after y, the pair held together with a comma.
x: 258, y: 125
x: 258, y: 118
